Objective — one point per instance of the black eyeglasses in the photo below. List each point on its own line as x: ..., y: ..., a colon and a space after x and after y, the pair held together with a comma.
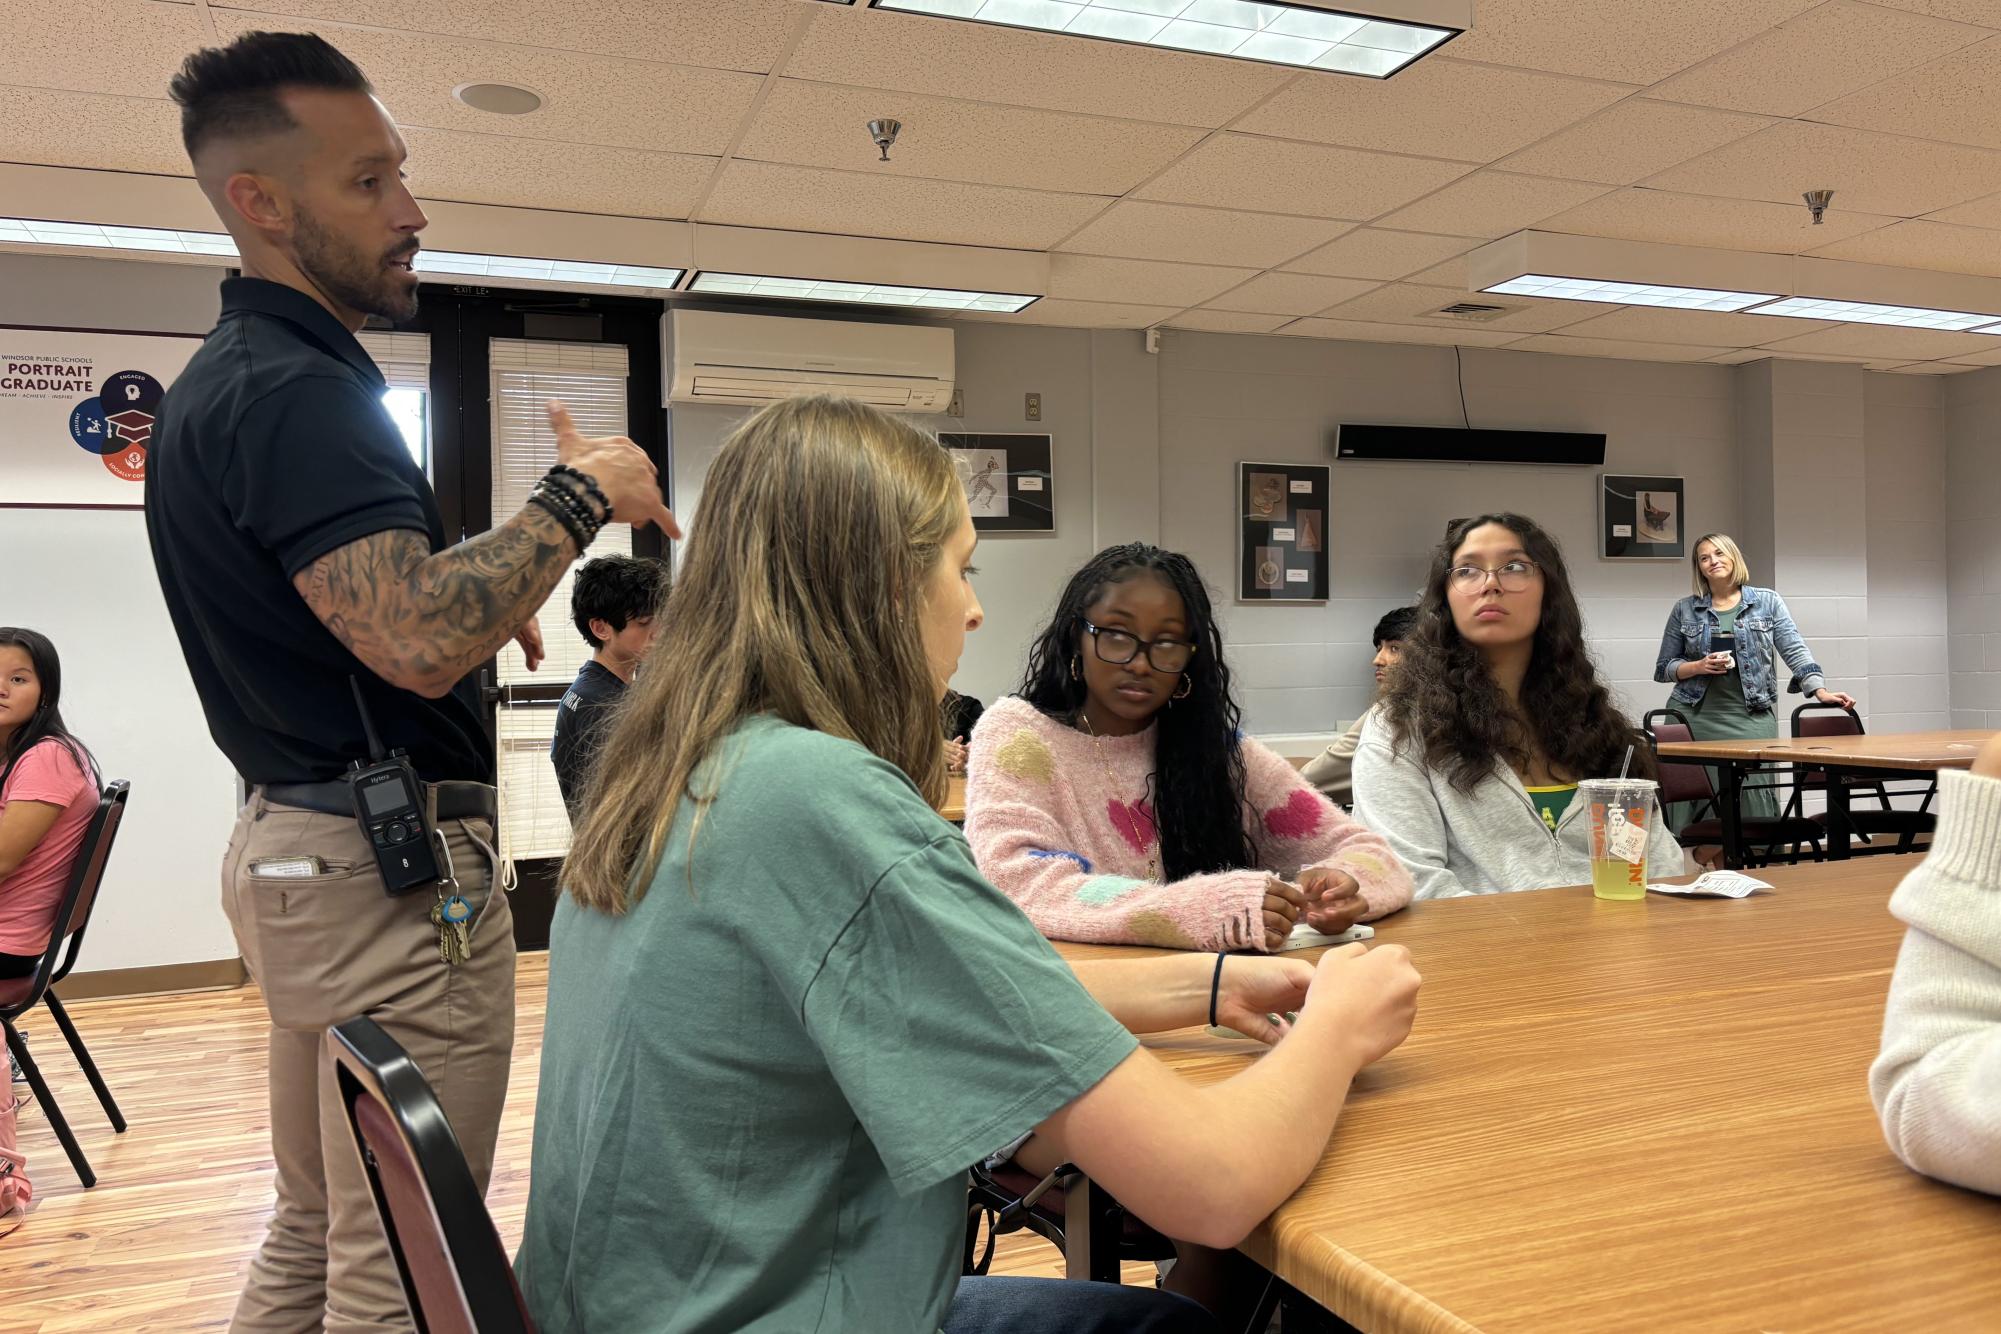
x: 1118, y: 648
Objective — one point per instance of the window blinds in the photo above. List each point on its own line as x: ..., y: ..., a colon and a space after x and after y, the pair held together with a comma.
x: 403, y: 358
x: 590, y: 379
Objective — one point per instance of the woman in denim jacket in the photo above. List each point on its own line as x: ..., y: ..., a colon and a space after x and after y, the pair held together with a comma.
x: 1718, y: 650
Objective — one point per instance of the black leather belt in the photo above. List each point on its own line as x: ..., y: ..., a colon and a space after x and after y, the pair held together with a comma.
x: 456, y: 801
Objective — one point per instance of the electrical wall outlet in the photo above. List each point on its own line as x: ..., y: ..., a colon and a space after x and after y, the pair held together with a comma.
x: 1034, y: 407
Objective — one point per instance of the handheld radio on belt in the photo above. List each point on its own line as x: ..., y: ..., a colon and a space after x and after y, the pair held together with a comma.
x: 391, y: 811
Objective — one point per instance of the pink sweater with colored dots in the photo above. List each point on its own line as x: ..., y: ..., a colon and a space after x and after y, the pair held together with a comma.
x: 1059, y: 820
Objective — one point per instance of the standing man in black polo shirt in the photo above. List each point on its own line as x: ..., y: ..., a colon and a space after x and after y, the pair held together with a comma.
x: 300, y: 549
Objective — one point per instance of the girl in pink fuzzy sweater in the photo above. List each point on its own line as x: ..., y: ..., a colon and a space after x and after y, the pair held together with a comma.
x: 1116, y: 800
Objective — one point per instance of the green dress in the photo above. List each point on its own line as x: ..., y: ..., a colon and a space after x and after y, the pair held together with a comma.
x: 1724, y: 716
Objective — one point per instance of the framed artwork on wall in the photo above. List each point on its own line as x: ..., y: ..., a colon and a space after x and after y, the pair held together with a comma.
x: 1282, y: 531
x: 1010, y: 487
x: 1641, y: 518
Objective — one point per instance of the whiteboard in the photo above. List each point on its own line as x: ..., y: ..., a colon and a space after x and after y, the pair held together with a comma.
x: 78, y: 411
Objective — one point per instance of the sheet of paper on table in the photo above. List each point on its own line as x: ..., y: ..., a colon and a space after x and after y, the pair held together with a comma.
x: 1304, y: 937
x: 1715, y: 885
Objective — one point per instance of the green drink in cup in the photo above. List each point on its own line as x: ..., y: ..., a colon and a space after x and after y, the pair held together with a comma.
x: 1622, y: 814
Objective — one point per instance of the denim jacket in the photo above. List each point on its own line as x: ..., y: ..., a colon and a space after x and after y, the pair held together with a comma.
x: 1763, y: 625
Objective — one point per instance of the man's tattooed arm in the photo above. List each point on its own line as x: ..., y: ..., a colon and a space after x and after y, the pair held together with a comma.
x: 422, y: 621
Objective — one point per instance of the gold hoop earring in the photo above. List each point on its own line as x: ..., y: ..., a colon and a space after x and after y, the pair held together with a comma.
x: 1074, y: 674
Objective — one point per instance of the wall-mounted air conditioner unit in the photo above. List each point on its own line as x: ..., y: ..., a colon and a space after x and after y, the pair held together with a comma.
x: 720, y: 357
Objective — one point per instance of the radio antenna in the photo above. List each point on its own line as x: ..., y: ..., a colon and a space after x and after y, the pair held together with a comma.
x: 375, y: 751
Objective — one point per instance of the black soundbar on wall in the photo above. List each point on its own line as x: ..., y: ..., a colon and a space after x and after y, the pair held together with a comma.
x: 1453, y: 444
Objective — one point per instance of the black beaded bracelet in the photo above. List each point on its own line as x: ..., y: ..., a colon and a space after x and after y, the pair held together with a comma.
x: 543, y: 502
x: 589, y: 485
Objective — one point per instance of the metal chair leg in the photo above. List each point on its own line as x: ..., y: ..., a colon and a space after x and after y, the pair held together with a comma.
x: 49, y: 1109
x: 82, y: 1054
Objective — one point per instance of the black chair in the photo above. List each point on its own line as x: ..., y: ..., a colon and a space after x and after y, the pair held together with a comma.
x: 1066, y: 1209
x: 1682, y: 781
x: 456, y: 1274
x: 1888, y: 821
x: 18, y: 995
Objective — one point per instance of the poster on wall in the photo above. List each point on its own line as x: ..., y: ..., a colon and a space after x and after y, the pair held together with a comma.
x: 1009, y: 486
x: 1282, y: 531
x: 1641, y: 518
x: 77, y: 413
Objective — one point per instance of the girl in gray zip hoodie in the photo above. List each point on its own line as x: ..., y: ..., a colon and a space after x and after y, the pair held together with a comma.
x: 1493, y: 715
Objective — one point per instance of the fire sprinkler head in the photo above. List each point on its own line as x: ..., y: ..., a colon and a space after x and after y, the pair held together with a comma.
x: 883, y: 133
x: 1816, y: 203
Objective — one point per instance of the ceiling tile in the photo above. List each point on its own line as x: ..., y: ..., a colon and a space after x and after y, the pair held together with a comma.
x: 112, y: 46
x: 1979, y: 213
x: 1716, y: 328
x: 1733, y: 224
x: 1137, y: 229
x: 1452, y: 273
x: 1492, y: 203
x: 1869, y: 172
x: 1951, y: 99
x: 1632, y: 141
x: 1963, y: 11
x: 1406, y: 301
x: 1291, y: 294
x: 680, y: 32
x: 1640, y: 41
x: 976, y: 60
x: 1374, y: 253
x: 1438, y: 108
x: 1890, y: 344
x: 1819, y: 56
x: 1362, y: 331
x: 804, y: 199
x: 823, y: 125
x: 1927, y: 368
x: 534, y: 173
x: 1924, y: 245
x: 1279, y: 176
x: 65, y: 129
x: 591, y: 99
x: 1081, y: 315
x: 1227, y: 321
x: 1138, y: 281
x: 1565, y: 346
x: 1991, y: 357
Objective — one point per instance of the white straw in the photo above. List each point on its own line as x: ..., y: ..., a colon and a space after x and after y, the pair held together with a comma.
x: 1625, y: 764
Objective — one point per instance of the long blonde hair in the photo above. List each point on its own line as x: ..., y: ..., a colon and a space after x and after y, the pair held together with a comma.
x: 1723, y: 543
x: 799, y: 596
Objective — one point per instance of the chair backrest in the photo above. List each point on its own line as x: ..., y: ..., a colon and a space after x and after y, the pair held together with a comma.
x: 456, y: 1274
x: 1817, y: 719
x: 1679, y: 780
x: 79, y: 897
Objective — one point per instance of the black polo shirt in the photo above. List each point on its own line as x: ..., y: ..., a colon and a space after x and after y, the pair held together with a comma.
x: 272, y: 449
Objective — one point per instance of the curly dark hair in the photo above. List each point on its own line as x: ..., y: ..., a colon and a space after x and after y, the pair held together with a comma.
x: 1197, y: 786
x: 1443, y: 699
x: 617, y: 590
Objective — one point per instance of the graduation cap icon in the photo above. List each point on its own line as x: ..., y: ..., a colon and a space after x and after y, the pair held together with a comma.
x: 132, y: 426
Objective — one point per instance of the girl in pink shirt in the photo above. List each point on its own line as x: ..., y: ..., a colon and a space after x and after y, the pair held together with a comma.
x: 47, y: 796
x: 1116, y: 799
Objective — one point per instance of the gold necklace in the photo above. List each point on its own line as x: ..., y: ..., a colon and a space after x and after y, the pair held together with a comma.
x: 1098, y: 749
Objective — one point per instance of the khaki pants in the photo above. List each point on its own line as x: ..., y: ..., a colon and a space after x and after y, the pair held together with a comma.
x: 326, y: 950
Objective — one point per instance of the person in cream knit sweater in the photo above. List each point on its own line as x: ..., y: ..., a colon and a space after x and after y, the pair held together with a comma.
x: 1937, y: 1080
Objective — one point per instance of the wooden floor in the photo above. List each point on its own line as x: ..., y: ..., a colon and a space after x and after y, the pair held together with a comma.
x: 162, y: 1242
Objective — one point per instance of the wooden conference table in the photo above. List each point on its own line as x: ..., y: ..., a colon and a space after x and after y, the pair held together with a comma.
x: 1646, y: 1116
x: 1883, y: 756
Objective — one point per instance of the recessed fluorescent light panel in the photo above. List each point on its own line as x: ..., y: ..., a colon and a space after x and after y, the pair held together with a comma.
x: 1865, y: 312
x: 1273, y: 33
x: 104, y: 236
x: 865, y: 294
x: 1629, y: 294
